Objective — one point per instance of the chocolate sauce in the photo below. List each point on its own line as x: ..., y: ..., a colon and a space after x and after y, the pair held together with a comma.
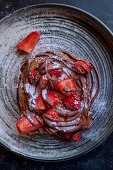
x: 69, y: 121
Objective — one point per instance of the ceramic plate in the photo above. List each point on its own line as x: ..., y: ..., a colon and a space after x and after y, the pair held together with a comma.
x: 62, y: 28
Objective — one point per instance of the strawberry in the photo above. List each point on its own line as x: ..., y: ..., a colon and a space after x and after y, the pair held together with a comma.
x: 29, y: 42
x: 52, y: 114
x: 67, y: 84
x: 83, y: 66
x: 74, y: 93
x: 56, y: 72
x: 53, y: 98
x: 43, y: 82
x: 24, y: 126
x: 48, y: 106
x: 55, y: 84
x: 77, y: 137
x: 68, y: 135
x: 71, y: 103
x: 33, y: 77
x: 40, y: 103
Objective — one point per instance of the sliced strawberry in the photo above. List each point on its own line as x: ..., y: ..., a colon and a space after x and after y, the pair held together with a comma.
x: 77, y: 94
x: 40, y: 103
x: 67, y: 84
x: 72, y: 93
x: 29, y: 42
x: 53, y: 98
x: 33, y: 77
x: 77, y: 137
x: 55, y: 84
x: 68, y: 135
x: 48, y: 106
x: 24, y: 126
x: 56, y: 72
x: 79, y: 69
x: 52, y: 114
x: 43, y: 82
x: 71, y: 103
x: 82, y: 66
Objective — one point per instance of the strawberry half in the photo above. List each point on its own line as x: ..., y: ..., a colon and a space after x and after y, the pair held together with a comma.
x: 77, y: 137
x: 33, y: 77
x: 52, y: 114
x: 53, y: 98
x: 74, y: 93
x: 82, y: 66
x: 55, y: 85
x: 67, y: 84
x: 29, y: 42
x: 68, y: 135
x: 43, y: 82
x: 24, y: 126
x: 56, y: 72
x: 71, y: 103
x: 40, y: 103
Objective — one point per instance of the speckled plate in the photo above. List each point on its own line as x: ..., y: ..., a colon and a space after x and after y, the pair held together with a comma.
x: 62, y: 28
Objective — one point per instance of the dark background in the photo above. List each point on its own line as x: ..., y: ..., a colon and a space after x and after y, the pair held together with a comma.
x: 102, y: 156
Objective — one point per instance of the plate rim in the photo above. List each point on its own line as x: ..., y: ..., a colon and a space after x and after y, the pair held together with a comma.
x: 6, y: 146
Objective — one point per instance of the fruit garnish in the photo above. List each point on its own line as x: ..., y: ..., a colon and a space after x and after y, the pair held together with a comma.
x: 24, y: 126
x: 67, y: 84
x: 68, y: 135
x: 53, y: 98
x: 33, y: 77
x: 52, y: 114
x: 55, y: 85
x: 40, y: 103
x: 71, y: 103
x: 43, y: 82
x: 77, y: 137
x: 56, y: 72
x: 48, y: 106
x: 29, y: 42
x: 73, y: 93
x: 82, y: 66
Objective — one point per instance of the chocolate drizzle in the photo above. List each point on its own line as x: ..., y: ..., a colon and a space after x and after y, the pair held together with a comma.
x: 69, y: 121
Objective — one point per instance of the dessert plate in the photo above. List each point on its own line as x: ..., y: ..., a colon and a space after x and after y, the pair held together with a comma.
x: 62, y: 28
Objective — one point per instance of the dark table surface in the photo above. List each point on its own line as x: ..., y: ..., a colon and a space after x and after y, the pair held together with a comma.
x: 102, y: 156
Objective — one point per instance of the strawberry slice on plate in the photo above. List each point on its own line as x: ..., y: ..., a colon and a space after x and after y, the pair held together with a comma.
x: 53, y: 98
x: 52, y: 114
x: 71, y: 103
x: 29, y: 42
x: 43, y: 82
x: 82, y: 66
x: 56, y: 72
x: 67, y: 84
x: 74, y: 93
x: 76, y: 137
x: 24, y: 126
x: 55, y: 85
x: 33, y: 77
x: 68, y: 135
x: 40, y: 103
